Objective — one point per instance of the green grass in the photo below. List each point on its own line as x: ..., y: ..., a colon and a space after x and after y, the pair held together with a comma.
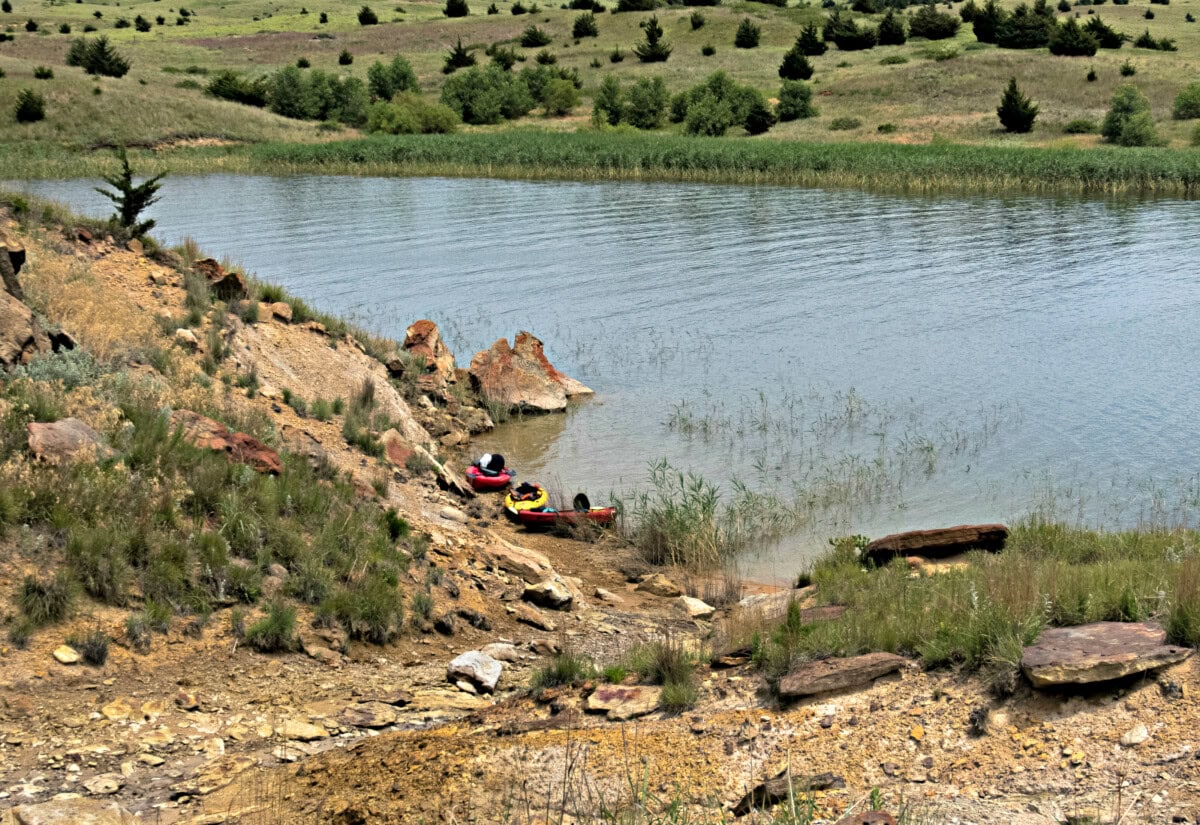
x: 566, y: 668
x: 981, y: 616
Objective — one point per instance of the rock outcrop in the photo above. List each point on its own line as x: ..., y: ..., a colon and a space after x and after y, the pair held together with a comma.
x: 68, y: 812
x: 1100, y: 652
x: 828, y: 675
x: 620, y: 702
x: 939, y: 543
x: 212, y: 435
x: 423, y: 341
x: 66, y: 440
x: 12, y: 258
x: 520, y: 377
x: 224, y: 285
x: 21, y: 335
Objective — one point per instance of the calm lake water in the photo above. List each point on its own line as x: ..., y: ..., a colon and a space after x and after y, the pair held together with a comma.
x: 900, y: 362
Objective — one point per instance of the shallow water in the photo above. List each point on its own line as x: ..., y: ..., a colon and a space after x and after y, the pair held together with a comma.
x: 947, y: 359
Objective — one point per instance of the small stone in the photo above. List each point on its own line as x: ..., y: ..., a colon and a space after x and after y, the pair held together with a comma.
x: 545, y: 647
x: 151, y: 760
x: 696, y: 608
x: 117, y: 710
x: 66, y: 654
x: 187, y: 339
x: 105, y: 784
x: 187, y: 701
x: 607, y: 596
x: 1135, y: 736
x: 153, y: 709
x: 282, y: 310
x: 917, y: 732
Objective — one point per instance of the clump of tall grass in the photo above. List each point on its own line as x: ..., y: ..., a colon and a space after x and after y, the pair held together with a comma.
x: 667, y: 662
x: 566, y: 668
x: 45, y: 601
x: 982, y: 615
x: 275, y: 632
x: 92, y: 646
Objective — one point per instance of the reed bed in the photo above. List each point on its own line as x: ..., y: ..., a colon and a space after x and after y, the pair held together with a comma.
x: 594, y: 156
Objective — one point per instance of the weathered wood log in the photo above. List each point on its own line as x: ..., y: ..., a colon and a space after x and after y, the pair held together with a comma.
x: 937, y: 544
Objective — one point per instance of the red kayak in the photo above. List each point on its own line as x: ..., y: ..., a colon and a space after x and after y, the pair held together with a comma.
x: 534, y: 519
x: 481, y: 481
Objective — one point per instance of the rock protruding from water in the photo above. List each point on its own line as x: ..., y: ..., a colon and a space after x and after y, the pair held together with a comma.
x: 66, y: 440
x: 212, y: 435
x: 1100, y: 652
x: 520, y: 377
x: 477, y: 668
x: 828, y: 675
x: 621, y: 702
x: 77, y: 811
x: 939, y: 543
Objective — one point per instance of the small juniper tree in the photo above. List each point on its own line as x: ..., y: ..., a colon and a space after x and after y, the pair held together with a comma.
x: 1128, y: 122
x: 6, y: 7
x: 460, y: 57
x: 747, y: 35
x: 1016, y: 111
x: 366, y: 16
x: 131, y: 200
x: 608, y: 103
x: 30, y: 108
x: 585, y: 26
x: 810, y: 41
x: 1069, y: 40
x: 456, y: 8
x: 891, y: 30
x: 655, y: 49
x: 760, y: 118
x: 795, y: 101
x: 345, y: 58
x: 795, y: 65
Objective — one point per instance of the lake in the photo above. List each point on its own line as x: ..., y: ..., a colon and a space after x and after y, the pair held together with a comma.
x: 895, y: 362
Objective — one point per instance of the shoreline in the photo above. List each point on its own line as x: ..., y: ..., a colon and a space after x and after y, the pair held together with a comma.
x: 924, y: 169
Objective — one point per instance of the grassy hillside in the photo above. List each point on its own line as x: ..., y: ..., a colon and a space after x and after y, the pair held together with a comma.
x: 920, y: 92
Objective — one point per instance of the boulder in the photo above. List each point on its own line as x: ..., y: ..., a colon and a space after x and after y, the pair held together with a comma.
x: 424, y: 342
x: 781, y: 786
x: 657, y: 584
x: 827, y: 675
x: 66, y: 655
x: 521, y: 377
x: 477, y: 668
x: 187, y: 339
x: 530, y: 565
x: 225, y: 286
x: 622, y: 702
x: 696, y: 608
x: 77, y: 811
x: 551, y: 593
x: 1064, y: 656
x: 281, y: 310
x: 64, y: 441
x: 208, y: 434
x: 300, y: 731
x: 21, y: 335
x: 937, y: 544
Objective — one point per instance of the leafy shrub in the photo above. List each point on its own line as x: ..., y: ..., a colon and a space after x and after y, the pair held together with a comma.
x: 1081, y: 126
x: 366, y: 17
x: 747, y: 35
x: 487, y: 95
x: 697, y: 19
x: 893, y: 60
x: 1128, y: 122
x: 318, y: 96
x: 456, y: 8
x: 1146, y: 41
x: 585, y: 26
x: 891, y: 30
x: 31, y: 25
x: 886, y: 128
x: 608, y: 104
x: 654, y: 49
x: 229, y: 85
x: 545, y: 58
x: 371, y: 611
x: 345, y: 58
x: 986, y: 21
x: 43, y: 73
x: 1016, y: 112
x: 559, y: 97
x: 795, y: 101
x: 141, y: 24
x: 637, y: 5
x: 533, y: 38
x: 646, y: 103
x: 385, y: 81
x: 1091, y: 75
x: 276, y: 632
x: 933, y: 24
x: 714, y: 106
x: 844, y: 124
x: 849, y: 36
x: 1069, y: 40
x: 97, y: 558
x: 519, y: 8
x: 122, y: 23
x: 303, y: 63
x: 1128, y: 69
x: 708, y: 50
x: 405, y: 114
x: 97, y: 57
x: 46, y: 601
x: 1187, y: 103
x: 760, y: 118
x: 616, y: 55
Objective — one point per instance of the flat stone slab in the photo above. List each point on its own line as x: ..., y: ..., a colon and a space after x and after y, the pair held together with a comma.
x: 838, y: 674
x: 368, y: 715
x: 622, y: 702
x: 939, y: 543
x: 1098, y: 652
